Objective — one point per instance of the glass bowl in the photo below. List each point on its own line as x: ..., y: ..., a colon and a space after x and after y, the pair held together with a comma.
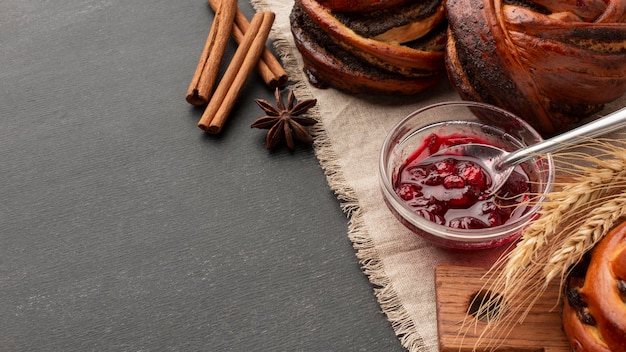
x: 463, y: 118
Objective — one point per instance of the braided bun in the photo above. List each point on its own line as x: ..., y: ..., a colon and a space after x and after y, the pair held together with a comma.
x: 550, y: 62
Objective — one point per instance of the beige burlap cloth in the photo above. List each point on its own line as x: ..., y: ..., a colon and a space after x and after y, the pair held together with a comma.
x: 348, y: 138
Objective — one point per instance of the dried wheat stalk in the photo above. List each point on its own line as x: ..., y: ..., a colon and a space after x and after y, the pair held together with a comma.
x: 572, y: 221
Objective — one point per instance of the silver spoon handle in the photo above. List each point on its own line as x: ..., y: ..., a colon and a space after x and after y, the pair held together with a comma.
x: 606, y: 124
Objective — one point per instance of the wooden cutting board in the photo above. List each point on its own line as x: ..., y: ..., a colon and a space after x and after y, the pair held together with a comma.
x: 455, y: 288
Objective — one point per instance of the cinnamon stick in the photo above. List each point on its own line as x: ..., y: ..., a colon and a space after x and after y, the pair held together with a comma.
x: 243, y: 62
x: 205, y: 76
x: 269, y: 68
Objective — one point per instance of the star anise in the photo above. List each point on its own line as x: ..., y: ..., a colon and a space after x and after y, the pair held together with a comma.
x: 284, y: 121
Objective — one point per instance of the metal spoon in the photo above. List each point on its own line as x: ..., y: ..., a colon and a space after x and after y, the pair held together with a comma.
x: 500, y: 164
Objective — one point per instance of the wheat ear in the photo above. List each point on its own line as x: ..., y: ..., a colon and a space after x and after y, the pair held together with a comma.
x: 572, y: 221
x: 600, y: 221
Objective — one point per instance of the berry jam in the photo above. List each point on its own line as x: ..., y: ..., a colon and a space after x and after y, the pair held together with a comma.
x: 453, y: 190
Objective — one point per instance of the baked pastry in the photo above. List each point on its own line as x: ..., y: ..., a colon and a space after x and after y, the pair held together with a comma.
x: 552, y: 63
x: 397, y: 50
x: 594, y: 313
x: 361, y: 5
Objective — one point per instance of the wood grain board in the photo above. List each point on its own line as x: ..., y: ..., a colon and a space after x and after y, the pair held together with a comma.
x: 455, y: 288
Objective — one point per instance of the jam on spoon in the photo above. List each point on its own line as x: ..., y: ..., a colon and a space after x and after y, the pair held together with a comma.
x: 501, y: 163
x: 454, y: 190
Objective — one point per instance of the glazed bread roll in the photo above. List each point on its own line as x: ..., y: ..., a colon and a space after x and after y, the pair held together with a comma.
x: 594, y: 313
x: 361, y: 5
x: 551, y: 62
x: 397, y: 50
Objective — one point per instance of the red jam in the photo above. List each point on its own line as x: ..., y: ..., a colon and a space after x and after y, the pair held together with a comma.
x: 452, y: 190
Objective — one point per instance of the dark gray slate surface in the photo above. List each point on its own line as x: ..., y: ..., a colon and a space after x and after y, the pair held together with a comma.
x: 124, y: 228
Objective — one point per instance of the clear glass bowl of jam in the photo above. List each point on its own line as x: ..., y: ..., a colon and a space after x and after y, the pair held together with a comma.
x: 447, y: 201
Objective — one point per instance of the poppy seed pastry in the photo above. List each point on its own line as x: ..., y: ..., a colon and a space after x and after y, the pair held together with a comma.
x: 361, y: 6
x: 397, y: 50
x: 552, y: 63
